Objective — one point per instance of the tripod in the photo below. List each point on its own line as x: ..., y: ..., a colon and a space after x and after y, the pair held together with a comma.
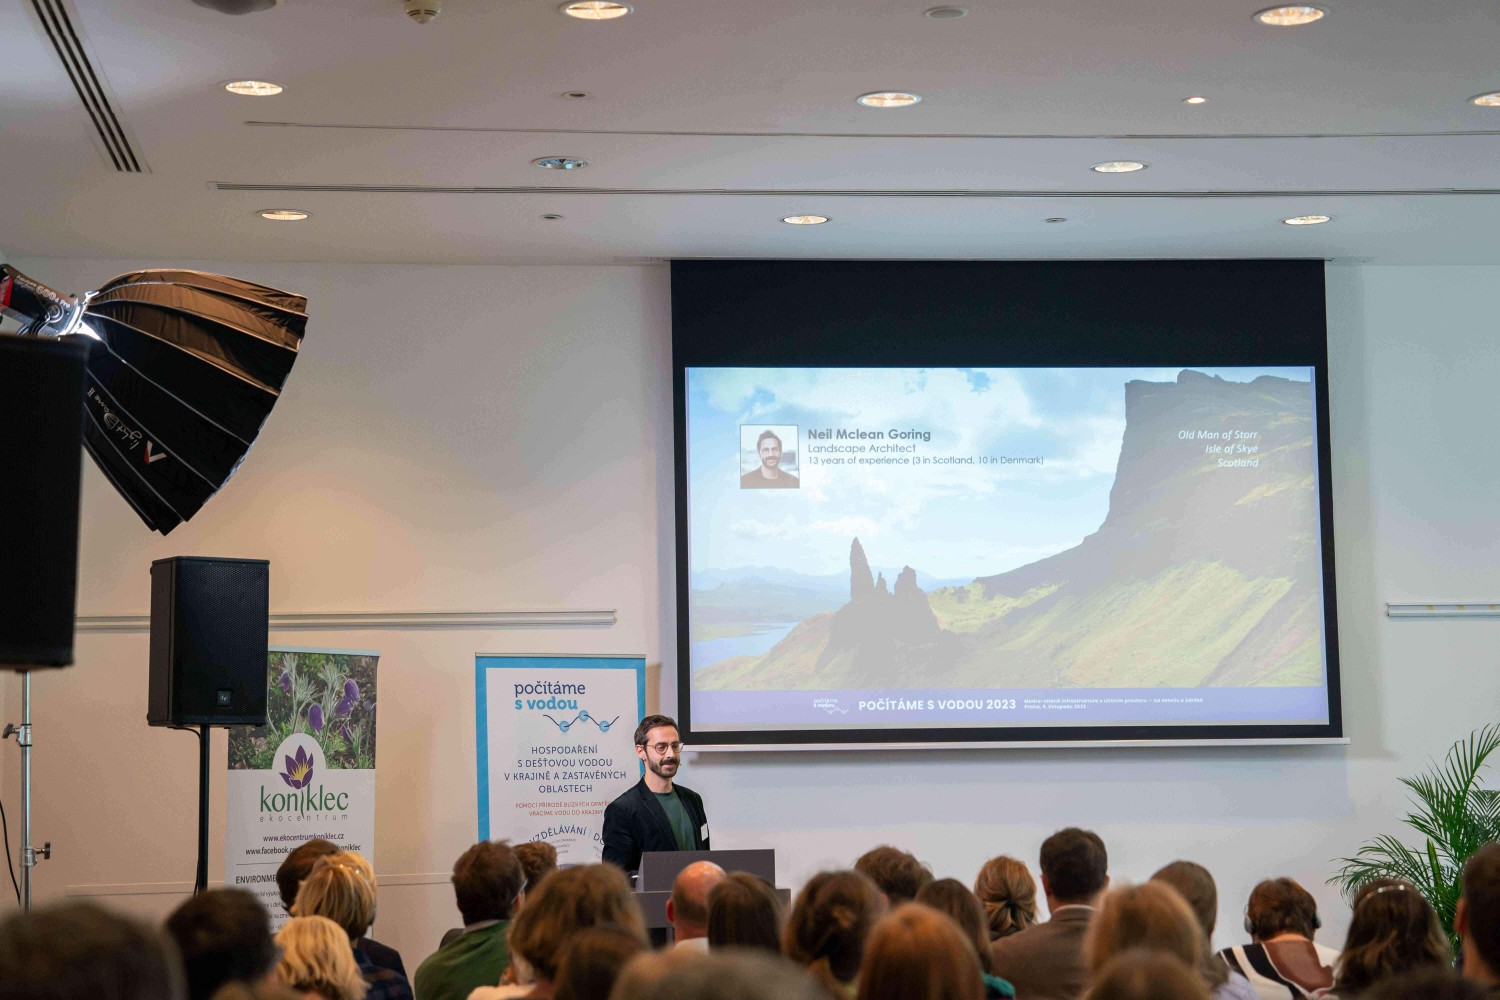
x: 30, y: 856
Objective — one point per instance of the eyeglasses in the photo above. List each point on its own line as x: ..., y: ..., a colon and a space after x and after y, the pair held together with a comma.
x: 662, y: 748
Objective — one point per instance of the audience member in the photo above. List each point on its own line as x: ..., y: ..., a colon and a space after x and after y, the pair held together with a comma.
x: 1196, y: 886
x: 538, y: 860
x: 341, y: 887
x: 570, y: 900
x: 1477, y: 919
x: 224, y: 937
x: 917, y: 953
x: 298, y: 865
x: 744, y: 911
x: 826, y: 932
x: 1428, y: 984
x: 1143, y: 974
x: 316, y: 960
x: 1008, y: 894
x: 81, y: 951
x: 1392, y: 930
x: 1155, y: 916
x: 1045, y: 961
x: 687, y: 907
x: 952, y: 898
x: 487, y: 881
x: 590, y: 963
x: 898, y: 875
x: 1282, y: 958
x: 678, y: 974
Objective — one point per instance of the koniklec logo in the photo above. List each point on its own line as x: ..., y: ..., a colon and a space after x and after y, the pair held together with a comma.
x: 299, y: 756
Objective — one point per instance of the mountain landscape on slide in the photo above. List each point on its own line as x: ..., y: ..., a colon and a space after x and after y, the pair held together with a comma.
x: 1200, y: 575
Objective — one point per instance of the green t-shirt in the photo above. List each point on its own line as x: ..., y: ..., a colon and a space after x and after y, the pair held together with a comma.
x: 678, y: 819
x: 477, y: 958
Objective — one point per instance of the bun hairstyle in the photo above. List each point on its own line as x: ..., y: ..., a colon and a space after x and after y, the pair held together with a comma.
x: 831, y: 918
x: 1008, y: 893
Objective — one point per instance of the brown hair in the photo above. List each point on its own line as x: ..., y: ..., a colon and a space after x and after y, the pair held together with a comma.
x: 76, y: 949
x: 1008, y: 893
x: 953, y: 899
x: 744, y: 911
x: 897, y: 874
x: 340, y: 887
x: 1150, y: 915
x: 571, y: 900
x: 830, y: 920
x: 1144, y: 974
x: 487, y: 878
x: 316, y: 957
x: 1195, y: 884
x: 297, y: 865
x: 590, y: 962
x: 649, y: 723
x: 538, y: 860
x: 731, y: 975
x: 1427, y: 984
x: 1481, y: 894
x: 1392, y: 929
x: 1279, y: 905
x: 1075, y: 865
x: 223, y: 936
x: 917, y: 953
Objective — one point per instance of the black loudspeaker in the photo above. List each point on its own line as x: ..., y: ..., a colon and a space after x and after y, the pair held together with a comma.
x: 41, y: 453
x: 209, y: 625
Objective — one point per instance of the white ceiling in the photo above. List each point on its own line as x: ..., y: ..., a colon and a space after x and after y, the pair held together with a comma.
x: 708, y: 120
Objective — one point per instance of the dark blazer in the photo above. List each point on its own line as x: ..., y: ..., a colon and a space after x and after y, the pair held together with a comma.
x: 1045, y: 961
x: 635, y: 822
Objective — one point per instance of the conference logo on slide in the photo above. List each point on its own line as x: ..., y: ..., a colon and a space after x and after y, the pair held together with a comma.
x: 298, y: 754
x: 830, y: 705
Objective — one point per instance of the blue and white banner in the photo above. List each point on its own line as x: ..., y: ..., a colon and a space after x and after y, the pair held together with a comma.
x: 555, y: 745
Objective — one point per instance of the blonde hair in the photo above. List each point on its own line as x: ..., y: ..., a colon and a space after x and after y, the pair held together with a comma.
x: 340, y: 887
x: 1151, y: 915
x: 1008, y: 893
x: 315, y: 955
x: 917, y: 953
x: 570, y: 900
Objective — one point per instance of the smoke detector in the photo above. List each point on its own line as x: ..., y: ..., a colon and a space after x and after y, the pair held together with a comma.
x: 423, y: 11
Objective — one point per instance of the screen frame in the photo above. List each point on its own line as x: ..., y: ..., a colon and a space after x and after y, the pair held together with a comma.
x: 812, y: 314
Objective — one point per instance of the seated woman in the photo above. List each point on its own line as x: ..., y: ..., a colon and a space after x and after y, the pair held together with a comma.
x: 831, y: 918
x: 1145, y: 974
x: 745, y: 912
x: 1283, y: 960
x: 1392, y: 930
x: 316, y: 960
x: 917, y: 953
x: 1155, y: 916
x: 1008, y: 893
x: 341, y: 887
x: 951, y: 897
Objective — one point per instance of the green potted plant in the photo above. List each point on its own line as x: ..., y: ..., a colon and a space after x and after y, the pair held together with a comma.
x: 1453, y: 814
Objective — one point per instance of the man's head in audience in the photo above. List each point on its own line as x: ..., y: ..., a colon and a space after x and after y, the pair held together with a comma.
x: 298, y: 864
x: 1477, y: 919
x: 897, y: 874
x: 1194, y: 884
x: 487, y: 880
x: 1279, y: 907
x: 81, y: 951
x: 687, y: 909
x: 538, y: 860
x: 1075, y: 868
x: 224, y: 936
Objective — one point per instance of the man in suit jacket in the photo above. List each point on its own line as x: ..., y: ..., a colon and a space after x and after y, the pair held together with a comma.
x: 656, y: 814
x: 1045, y: 961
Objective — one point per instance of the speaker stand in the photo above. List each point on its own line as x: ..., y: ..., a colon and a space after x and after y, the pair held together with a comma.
x: 30, y: 856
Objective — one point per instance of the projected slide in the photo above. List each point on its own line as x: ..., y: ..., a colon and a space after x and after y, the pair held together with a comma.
x: 1003, y: 547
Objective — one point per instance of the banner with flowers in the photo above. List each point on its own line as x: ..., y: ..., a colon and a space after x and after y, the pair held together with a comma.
x: 308, y: 772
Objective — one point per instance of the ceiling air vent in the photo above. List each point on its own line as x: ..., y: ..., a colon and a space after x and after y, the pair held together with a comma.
x: 86, y: 81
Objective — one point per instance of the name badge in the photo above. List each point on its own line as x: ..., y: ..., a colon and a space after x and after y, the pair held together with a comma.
x: 703, y: 833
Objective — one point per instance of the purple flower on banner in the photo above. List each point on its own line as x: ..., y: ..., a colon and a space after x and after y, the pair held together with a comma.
x: 285, y: 683
x: 299, y: 769
x: 315, y: 718
x: 351, y: 691
x: 344, y: 707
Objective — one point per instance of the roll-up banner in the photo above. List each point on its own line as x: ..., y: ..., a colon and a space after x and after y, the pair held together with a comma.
x: 309, y: 772
x: 556, y: 744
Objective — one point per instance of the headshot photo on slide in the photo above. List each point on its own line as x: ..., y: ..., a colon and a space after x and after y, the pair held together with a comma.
x: 768, y: 457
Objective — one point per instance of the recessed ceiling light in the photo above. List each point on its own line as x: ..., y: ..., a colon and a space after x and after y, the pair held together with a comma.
x: 254, y: 88
x: 1195, y: 100
x: 945, y: 13
x: 1308, y: 220
x: 576, y: 95
x: 889, y: 99
x: 805, y: 220
x: 560, y: 163
x: 284, y: 214
x: 1290, y: 17
x: 1487, y: 100
x: 1118, y: 167
x: 552, y: 216
x: 595, y: 10
x: 1055, y: 219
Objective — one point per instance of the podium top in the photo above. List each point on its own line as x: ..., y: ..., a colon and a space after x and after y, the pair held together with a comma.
x: 660, y: 868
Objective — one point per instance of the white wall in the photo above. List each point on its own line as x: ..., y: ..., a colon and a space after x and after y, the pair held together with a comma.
x: 493, y: 437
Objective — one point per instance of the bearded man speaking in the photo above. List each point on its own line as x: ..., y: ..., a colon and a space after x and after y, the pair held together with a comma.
x: 655, y: 814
